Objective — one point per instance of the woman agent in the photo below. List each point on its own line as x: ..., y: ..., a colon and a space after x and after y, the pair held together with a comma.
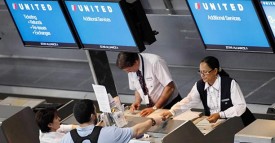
x: 220, y: 95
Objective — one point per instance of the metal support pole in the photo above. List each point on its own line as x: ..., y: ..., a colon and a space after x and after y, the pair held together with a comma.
x: 101, y: 71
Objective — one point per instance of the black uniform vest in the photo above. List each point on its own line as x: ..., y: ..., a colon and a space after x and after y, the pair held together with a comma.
x: 226, y: 102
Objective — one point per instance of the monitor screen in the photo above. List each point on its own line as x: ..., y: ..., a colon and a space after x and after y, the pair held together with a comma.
x: 104, y: 25
x: 268, y: 10
x: 41, y: 23
x: 231, y: 25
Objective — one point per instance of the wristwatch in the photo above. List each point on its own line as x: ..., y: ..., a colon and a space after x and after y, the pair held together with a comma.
x: 153, y: 121
x: 155, y: 107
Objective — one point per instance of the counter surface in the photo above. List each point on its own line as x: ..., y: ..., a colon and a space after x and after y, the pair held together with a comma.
x: 260, y: 131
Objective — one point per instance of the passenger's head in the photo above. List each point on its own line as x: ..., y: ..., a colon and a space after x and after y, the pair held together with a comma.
x: 129, y: 62
x: 84, y: 111
x: 47, y: 120
x: 210, y: 68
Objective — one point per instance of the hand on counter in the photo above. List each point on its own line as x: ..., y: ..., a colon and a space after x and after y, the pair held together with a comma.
x: 146, y: 111
x: 166, y: 114
x: 213, y: 118
x: 134, y: 106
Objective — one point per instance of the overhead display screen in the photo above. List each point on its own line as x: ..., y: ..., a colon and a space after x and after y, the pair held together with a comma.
x: 41, y: 23
x: 231, y: 25
x: 102, y: 25
x: 269, y: 12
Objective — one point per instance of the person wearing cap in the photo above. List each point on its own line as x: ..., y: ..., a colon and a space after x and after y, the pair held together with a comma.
x: 87, y: 132
x: 220, y: 95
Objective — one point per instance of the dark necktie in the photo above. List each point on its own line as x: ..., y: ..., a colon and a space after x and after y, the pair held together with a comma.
x: 144, y: 88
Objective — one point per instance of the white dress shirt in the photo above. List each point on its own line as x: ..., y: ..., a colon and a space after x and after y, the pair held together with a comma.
x: 156, y: 75
x: 213, y: 100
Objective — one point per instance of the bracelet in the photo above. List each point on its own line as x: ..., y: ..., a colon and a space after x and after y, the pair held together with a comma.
x: 153, y: 121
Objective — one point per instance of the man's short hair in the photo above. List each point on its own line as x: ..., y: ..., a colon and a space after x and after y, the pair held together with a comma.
x: 125, y: 59
x: 83, y: 110
x: 44, y: 117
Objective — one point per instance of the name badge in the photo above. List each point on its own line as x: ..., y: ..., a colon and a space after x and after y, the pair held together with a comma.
x: 224, y: 100
x: 149, y: 79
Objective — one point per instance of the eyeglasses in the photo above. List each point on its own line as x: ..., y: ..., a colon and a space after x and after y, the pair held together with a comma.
x: 204, y: 72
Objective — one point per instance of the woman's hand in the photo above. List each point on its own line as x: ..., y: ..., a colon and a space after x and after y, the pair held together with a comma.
x: 213, y: 118
x: 166, y: 114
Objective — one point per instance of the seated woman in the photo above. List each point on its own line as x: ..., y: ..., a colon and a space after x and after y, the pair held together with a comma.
x: 220, y: 95
x: 50, y: 129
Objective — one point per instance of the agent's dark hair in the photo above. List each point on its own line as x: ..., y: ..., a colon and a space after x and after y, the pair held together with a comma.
x: 83, y: 110
x: 213, y: 63
x: 125, y: 59
x: 44, y: 117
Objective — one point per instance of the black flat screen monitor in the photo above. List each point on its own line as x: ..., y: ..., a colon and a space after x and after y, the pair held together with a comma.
x: 267, y: 8
x: 41, y: 23
x: 231, y: 25
x: 113, y: 25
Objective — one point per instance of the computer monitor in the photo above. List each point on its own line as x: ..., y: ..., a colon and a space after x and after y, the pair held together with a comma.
x: 267, y: 9
x: 232, y: 25
x: 113, y: 25
x: 41, y: 23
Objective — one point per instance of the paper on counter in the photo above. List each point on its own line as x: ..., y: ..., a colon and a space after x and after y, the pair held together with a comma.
x: 102, y: 98
x: 187, y: 115
x: 205, y: 126
x: 138, y: 141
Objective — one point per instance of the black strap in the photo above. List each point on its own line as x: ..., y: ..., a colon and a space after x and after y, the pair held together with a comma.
x: 142, y: 61
x: 93, y: 137
x: 143, y: 84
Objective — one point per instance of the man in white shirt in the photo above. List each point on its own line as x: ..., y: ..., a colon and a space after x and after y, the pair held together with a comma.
x: 149, y: 76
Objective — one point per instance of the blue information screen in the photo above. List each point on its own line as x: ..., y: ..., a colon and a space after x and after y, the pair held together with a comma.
x: 269, y: 11
x: 229, y: 25
x: 101, y: 25
x: 41, y: 23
